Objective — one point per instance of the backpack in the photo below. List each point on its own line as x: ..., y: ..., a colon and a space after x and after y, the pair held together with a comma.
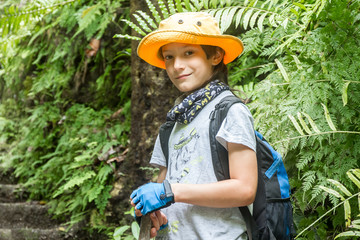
x: 272, y: 209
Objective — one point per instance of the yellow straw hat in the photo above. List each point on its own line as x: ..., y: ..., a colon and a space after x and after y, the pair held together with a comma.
x: 188, y: 27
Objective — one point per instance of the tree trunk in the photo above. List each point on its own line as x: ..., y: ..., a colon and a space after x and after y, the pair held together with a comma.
x: 152, y: 96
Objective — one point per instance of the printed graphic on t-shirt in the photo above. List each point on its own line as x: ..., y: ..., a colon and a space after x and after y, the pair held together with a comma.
x: 183, y: 151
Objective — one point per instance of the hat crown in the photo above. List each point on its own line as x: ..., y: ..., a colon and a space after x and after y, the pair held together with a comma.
x: 197, y: 22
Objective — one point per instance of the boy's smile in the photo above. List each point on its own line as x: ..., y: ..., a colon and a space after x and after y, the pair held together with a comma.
x: 187, y: 65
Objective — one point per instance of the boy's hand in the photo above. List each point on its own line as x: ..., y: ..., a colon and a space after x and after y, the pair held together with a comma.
x: 158, y: 222
x: 152, y: 196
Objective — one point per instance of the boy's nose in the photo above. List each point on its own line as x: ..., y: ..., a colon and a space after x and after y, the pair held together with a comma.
x: 179, y: 63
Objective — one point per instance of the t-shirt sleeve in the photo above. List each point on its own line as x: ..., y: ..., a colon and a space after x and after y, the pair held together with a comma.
x: 237, y: 127
x: 157, y: 157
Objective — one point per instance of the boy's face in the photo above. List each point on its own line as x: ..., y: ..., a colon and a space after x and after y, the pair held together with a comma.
x: 187, y: 65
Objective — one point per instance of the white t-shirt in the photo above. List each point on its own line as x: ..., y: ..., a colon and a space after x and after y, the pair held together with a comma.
x: 190, y: 161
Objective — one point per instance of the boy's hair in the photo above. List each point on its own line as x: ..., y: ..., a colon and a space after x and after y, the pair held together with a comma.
x: 220, y: 71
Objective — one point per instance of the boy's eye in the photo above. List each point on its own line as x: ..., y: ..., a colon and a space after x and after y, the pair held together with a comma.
x: 188, y: 53
x: 167, y: 57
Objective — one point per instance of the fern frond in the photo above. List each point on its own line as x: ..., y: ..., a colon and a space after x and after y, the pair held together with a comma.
x: 344, y: 94
x: 171, y: 7
x: 312, y: 123
x: 226, y: 18
x: 163, y: 9
x: 354, y: 176
x: 142, y: 23
x: 328, y: 118
x: 282, y: 70
x: 303, y: 124
x: 153, y: 11
x: 253, y: 19
x: 148, y: 19
x: 179, y: 6
x: 341, y: 187
x: 247, y: 17
x: 15, y: 18
x: 198, y: 5
x: 126, y: 36
x: 134, y: 27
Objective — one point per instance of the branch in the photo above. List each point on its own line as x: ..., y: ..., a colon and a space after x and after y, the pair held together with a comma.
x: 315, y: 134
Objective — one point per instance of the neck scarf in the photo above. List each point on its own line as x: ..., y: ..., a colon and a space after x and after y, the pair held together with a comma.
x: 188, y: 109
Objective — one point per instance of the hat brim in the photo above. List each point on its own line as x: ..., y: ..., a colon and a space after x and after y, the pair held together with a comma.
x: 149, y: 46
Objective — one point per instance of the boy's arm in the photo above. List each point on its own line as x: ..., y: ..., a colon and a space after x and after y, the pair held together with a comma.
x: 162, y: 174
x: 158, y: 219
x: 239, y: 190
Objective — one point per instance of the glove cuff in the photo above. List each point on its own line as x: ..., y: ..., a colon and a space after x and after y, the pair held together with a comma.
x: 168, y: 192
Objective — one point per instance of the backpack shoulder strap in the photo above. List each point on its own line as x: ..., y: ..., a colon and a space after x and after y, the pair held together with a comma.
x: 220, y: 156
x: 218, y: 152
x: 164, y: 135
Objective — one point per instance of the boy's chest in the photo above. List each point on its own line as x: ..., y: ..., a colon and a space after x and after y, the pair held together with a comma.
x: 189, y: 152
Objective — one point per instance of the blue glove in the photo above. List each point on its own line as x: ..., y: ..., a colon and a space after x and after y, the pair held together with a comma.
x: 152, y: 196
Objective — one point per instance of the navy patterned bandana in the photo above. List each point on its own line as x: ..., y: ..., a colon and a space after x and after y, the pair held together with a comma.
x: 188, y: 109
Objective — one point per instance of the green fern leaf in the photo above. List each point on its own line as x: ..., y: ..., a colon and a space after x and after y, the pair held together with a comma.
x: 296, y: 125
x: 78, y: 180
x: 247, y: 17
x: 134, y: 27
x: 303, y: 124
x: 142, y: 23
x: 353, y: 178
x: 285, y: 23
x: 261, y: 21
x: 300, y: 6
x: 126, y: 36
x: 312, y: 123
x: 219, y: 14
x: 272, y: 20
x: 282, y: 70
x: 187, y: 4
x: 340, y: 187
x: 348, y: 234
x: 163, y: 9
x: 94, y: 192
x: 179, y: 6
x: 206, y: 4
x: 344, y: 93
x: 238, y: 17
x: 226, y: 19
x: 147, y: 18
x: 328, y: 118
x: 297, y: 61
x: 347, y: 212
x: 332, y: 192
x: 253, y: 19
x: 197, y: 5
x: 171, y: 7
x: 153, y: 11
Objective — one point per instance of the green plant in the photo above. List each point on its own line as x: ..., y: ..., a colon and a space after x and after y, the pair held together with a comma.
x: 344, y: 195
x: 121, y: 233
x: 65, y: 105
x: 300, y: 60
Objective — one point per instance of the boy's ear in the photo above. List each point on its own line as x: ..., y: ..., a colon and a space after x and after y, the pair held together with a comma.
x: 218, y: 56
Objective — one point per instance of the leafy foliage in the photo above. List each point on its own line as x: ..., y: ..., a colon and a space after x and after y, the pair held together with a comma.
x: 300, y: 72
x: 65, y: 103
x: 342, y: 193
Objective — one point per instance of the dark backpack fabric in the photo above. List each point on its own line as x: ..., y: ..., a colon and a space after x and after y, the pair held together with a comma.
x: 272, y: 210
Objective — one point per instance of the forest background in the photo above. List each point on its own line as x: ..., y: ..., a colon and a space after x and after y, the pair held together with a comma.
x: 79, y: 111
